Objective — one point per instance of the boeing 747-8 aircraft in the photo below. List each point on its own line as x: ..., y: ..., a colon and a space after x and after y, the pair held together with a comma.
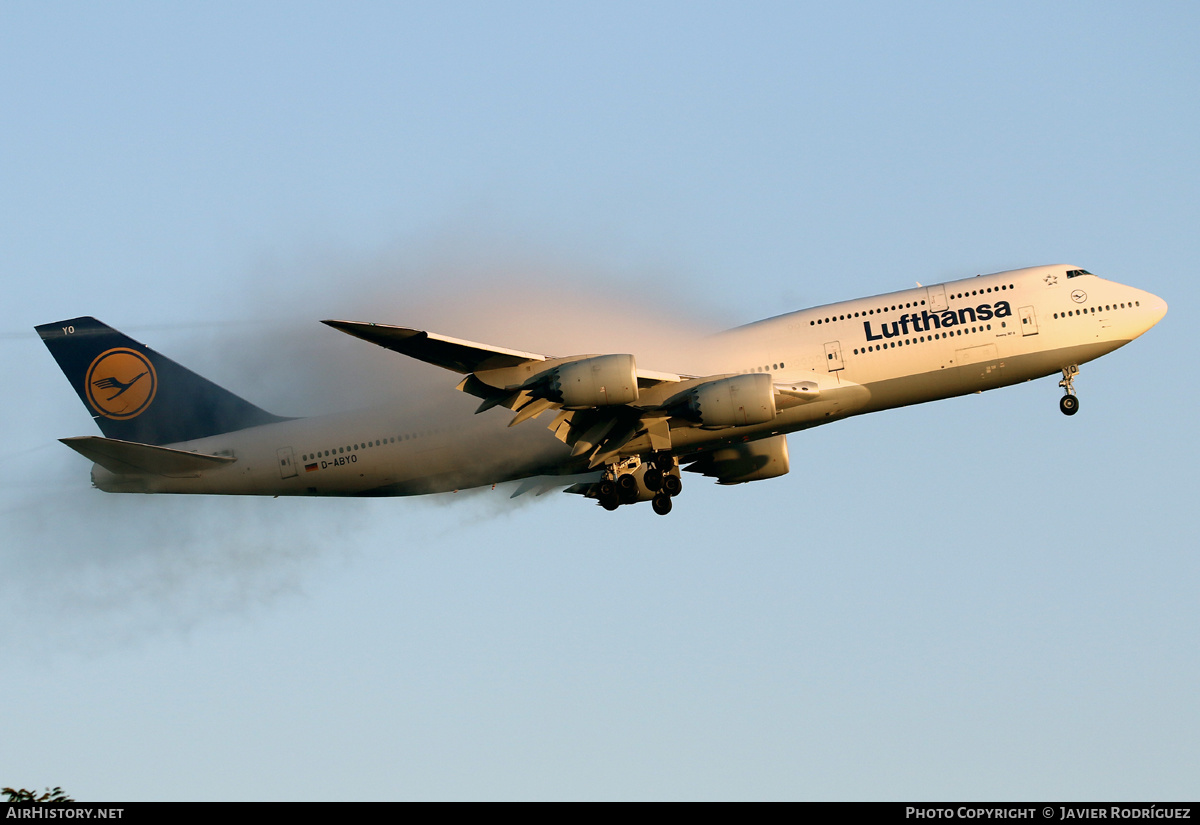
x: 616, y: 432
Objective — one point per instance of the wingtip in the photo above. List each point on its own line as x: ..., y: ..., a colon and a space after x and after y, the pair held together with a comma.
x: 349, y: 327
x: 345, y: 325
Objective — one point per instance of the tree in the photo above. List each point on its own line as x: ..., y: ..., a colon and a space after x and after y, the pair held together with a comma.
x: 53, y: 797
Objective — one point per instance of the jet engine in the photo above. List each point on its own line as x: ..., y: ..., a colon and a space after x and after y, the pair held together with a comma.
x: 599, y: 381
x: 733, y: 402
x: 752, y: 461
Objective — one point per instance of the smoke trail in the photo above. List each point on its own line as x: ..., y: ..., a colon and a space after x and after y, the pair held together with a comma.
x: 500, y: 297
x: 118, y: 568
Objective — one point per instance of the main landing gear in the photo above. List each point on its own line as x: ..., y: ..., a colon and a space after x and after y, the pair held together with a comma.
x: 1069, y: 403
x: 633, y: 480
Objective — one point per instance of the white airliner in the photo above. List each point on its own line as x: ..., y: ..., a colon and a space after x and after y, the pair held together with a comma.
x: 616, y: 432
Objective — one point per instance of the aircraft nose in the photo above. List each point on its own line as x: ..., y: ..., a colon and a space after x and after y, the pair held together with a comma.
x: 1156, y: 308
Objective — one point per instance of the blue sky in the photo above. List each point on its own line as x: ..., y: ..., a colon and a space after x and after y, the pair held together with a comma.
x: 977, y: 598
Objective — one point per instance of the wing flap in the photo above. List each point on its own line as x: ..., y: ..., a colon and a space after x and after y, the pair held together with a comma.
x: 130, y: 457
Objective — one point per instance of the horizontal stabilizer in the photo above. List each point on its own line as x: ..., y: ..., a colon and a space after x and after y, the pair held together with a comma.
x: 129, y: 457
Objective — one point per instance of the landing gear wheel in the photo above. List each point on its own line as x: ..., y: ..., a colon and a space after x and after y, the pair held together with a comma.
x: 653, y: 480
x: 661, y: 504
x: 671, y: 485
x: 606, y: 492
x: 1069, y: 404
x: 627, y: 488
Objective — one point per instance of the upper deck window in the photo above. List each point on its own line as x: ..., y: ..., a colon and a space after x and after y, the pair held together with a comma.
x: 1074, y: 273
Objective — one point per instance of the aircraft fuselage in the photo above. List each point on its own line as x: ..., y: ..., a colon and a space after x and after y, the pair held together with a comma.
x: 863, y: 355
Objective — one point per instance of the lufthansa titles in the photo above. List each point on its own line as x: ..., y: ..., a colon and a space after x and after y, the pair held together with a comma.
x: 926, y: 321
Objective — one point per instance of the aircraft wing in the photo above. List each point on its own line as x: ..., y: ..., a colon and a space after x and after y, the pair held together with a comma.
x: 456, y: 354
x: 439, y: 350
x: 607, y: 408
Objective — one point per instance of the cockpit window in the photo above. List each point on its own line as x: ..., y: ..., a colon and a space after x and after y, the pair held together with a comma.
x: 1075, y: 273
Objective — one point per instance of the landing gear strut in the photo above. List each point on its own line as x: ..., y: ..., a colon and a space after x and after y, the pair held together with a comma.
x: 1069, y: 403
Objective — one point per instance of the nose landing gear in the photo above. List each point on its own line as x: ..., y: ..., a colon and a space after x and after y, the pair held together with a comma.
x: 1069, y: 403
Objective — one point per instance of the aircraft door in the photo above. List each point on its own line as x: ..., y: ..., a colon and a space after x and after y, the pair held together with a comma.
x: 937, y: 298
x: 287, y: 462
x: 1028, y: 321
x: 833, y: 356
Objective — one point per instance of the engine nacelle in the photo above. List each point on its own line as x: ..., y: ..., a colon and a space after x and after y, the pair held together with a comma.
x: 599, y: 381
x: 734, y: 402
x: 752, y: 461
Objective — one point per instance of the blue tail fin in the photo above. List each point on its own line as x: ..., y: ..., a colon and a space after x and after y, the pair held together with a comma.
x: 135, y: 394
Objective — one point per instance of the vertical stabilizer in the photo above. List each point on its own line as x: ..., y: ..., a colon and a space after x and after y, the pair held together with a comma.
x: 135, y: 394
